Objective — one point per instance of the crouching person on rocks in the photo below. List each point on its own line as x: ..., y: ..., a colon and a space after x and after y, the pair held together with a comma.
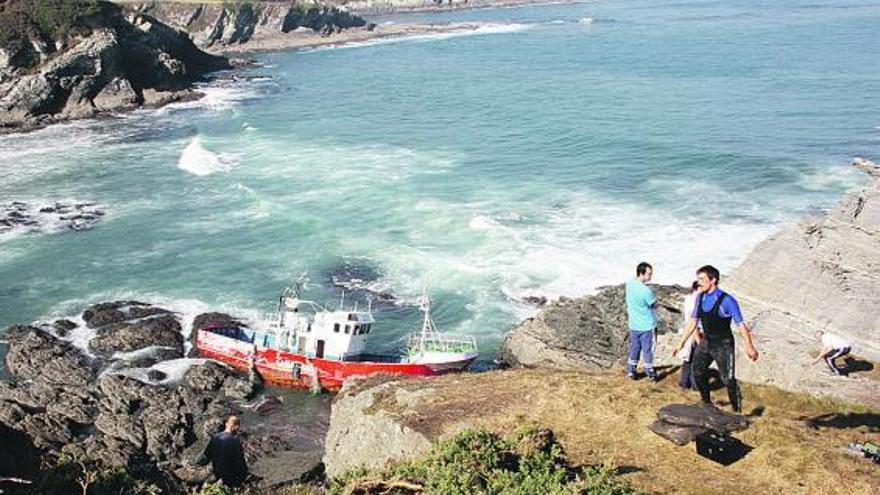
x: 714, y: 311
x: 226, y: 455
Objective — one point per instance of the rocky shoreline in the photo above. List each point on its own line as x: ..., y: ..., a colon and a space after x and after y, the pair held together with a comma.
x: 152, y: 54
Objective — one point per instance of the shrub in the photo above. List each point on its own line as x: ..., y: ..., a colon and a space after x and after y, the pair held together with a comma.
x: 529, y: 462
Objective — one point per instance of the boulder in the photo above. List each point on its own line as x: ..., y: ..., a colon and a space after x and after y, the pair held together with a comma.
x: 127, y: 336
x: 588, y: 332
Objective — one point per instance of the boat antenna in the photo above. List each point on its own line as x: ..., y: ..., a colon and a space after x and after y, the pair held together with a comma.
x: 342, y: 301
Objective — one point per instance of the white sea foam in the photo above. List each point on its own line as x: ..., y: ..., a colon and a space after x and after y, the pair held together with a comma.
x: 217, y: 97
x: 465, y: 31
x: 198, y: 160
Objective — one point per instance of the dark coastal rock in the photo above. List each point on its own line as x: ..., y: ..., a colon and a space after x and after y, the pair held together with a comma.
x: 589, y: 332
x: 209, y: 320
x: 324, y: 20
x: 161, y: 331
x: 37, y: 355
x: 358, y: 279
x: 48, y: 218
x: 215, y: 377
x: 119, y: 412
x: 106, y: 61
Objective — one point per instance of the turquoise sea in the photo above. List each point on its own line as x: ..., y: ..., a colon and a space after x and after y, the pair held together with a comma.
x: 544, y: 155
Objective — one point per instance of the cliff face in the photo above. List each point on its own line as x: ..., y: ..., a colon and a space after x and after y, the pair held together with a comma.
x: 822, y: 274
x: 215, y: 26
x: 104, y: 62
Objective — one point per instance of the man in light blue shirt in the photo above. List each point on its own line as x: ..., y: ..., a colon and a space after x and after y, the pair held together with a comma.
x: 640, y: 303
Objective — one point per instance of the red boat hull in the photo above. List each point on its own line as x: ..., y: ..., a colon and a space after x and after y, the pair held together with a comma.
x: 287, y: 369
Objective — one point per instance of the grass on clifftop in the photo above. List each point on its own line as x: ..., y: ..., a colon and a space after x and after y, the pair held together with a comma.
x: 601, y: 417
x: 45, y: 19
x: 478, y: 462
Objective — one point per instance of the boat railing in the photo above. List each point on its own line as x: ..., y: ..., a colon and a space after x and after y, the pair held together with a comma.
x: 437, y: 342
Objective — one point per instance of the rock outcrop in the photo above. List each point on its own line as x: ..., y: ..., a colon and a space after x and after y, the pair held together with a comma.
x: 19, y: 216
x: 584, y: 333
x: 822, y: 274
x: 106, y: 60
x: 124, y: 409
x: 216, y: 26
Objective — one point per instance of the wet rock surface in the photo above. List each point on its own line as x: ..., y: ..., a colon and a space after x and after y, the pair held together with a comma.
x: 62, y: 400
x: 588, y: 332
x: 48, y: 217
x: 361, y: 280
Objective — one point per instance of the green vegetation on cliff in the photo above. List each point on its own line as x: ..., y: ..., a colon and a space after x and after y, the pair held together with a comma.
x: 47, y: 20
x: 478, y: 462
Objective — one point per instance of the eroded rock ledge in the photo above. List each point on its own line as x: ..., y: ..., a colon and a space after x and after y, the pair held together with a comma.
x: 105, y: 60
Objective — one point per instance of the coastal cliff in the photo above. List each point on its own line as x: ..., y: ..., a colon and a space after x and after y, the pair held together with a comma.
x: 222, y: 27
x: 80, y: 58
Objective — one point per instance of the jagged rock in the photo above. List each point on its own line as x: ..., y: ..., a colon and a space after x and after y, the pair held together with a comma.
x: 161, y: 331
x: 207, y: 320
x: 589, y: 332
x: 215, y: 26
x: 48, y: 218
x: 215, y: 377
x: 37, y: 355
x: 106, y: 64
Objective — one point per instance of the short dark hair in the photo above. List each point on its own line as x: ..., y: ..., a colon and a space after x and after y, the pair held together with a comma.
x: 642, y: 267
x: 710, y: 272
x: 695, y: 285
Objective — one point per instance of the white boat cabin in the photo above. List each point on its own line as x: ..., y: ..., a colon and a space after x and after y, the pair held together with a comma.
x: 319, y: 333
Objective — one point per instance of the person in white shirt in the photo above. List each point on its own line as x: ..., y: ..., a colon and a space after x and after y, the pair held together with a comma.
x: 686, y: 380
x: 833, y: 347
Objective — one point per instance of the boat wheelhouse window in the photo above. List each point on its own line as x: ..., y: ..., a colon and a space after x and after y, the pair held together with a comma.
x: 269, y: 341
x: 367, y: 328
x: 347, y: 329
x: 336, y: 327
x: 352, y: 317
x: 246, y: 335
x: 357, y: 330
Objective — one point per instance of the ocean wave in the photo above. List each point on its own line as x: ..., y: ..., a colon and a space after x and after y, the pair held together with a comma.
x: 198, y: 160
x: 217, y: 97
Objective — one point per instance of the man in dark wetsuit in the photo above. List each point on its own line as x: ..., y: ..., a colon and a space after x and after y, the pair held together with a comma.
x: 715, y: 309
x: 227, y: 455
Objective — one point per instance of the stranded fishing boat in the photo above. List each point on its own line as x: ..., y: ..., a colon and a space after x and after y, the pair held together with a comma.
x: 310, y: 346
